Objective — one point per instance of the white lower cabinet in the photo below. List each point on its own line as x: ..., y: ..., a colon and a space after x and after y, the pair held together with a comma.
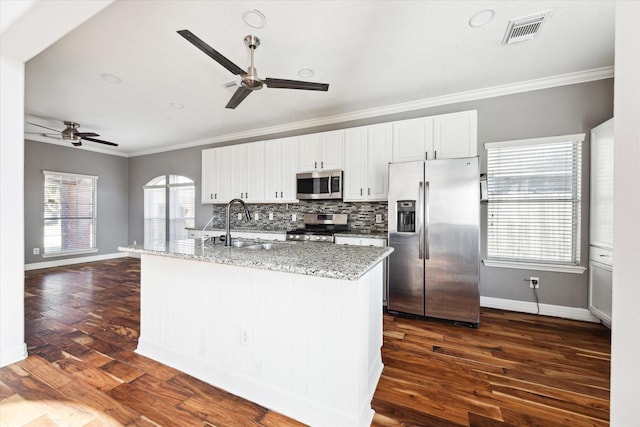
x: 600, y: 283
x: 368, y: 241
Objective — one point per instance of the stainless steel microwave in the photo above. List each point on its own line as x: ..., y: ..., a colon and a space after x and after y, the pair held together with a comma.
x: 319, y: 185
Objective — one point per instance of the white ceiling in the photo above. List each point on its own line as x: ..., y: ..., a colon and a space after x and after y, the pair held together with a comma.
x: 372, y: 53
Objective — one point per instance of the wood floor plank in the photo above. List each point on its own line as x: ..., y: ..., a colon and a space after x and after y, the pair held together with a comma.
x: 82, y: 327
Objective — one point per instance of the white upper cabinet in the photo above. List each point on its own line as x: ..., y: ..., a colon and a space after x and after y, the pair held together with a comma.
x: 216, y: 169
x: 368, y: 151
x: 601, y: 212
x: 247, y: 177
x: 320, y: 151
x: 437, y: 137
x: 280, y: 170
x: 455, y: 135
x: 413, y: 139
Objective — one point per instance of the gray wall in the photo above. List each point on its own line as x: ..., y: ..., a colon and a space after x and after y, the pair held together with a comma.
x: 556, y: 111
x: 112, y: 200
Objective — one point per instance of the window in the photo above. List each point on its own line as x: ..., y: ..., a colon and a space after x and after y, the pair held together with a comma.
x: 168, y: 196
x: 534, y: 201
x: 70, y: 214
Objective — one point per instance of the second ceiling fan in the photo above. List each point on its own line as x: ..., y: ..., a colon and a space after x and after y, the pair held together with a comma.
x: 250, y: 80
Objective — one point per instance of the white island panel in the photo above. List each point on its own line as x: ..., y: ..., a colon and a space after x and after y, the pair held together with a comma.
x: 305, y: 346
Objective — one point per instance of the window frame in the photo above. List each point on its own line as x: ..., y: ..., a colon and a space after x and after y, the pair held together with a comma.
x: 166, y: 182
x: 565, y: 267
x: 94, y: 217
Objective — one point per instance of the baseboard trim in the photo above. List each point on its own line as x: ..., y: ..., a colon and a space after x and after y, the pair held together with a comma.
x: 13, y: 355
x: 573, y: 313
x: 71, y: 261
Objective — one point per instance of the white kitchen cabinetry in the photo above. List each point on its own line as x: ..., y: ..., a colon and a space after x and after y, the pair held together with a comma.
x: 455, y: 135
x: 320, y: 151
x: 368, y: 241
x: 247, y: 172
x: 281, y: 156
x: 601, y: 221
x: 368, y: 152
x: 215, y: 175
x: 436, y: 137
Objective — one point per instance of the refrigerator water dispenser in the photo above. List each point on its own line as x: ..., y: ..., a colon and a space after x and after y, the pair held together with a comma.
x: 406, y: 216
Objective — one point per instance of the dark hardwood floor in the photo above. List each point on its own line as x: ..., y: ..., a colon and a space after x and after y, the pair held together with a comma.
x: 82, y: 325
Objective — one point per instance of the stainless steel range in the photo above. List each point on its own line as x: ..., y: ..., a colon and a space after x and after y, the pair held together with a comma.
x: 319, y: 228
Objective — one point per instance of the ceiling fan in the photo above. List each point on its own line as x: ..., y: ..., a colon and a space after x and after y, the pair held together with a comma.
x: 250, y: 80
x: 71, y: 133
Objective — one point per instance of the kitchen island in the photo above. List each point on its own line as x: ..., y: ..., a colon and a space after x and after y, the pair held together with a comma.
x: 296, y: 328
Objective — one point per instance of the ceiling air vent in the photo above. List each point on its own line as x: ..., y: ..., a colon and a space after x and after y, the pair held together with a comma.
x: 526, y: 28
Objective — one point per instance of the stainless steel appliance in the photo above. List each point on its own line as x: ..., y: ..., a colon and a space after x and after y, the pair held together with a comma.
x: 319, y: 228
x: 319, y: 185
x: 434, y: 217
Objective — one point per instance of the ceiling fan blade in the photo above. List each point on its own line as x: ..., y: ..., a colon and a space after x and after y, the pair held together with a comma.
x: 99, y: 141
x: 217, y: 56
x: 83, y: 134
x: 44, y: 127
x: 238, y: 96
x: 295, y: 84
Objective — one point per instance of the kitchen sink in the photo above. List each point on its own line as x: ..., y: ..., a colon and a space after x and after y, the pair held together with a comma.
x: 251, y: 245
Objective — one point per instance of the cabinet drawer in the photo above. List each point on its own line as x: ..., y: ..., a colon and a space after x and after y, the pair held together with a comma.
x: 604, y: 256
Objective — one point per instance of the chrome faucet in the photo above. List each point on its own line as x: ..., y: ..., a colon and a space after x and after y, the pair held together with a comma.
x: 227, y: 236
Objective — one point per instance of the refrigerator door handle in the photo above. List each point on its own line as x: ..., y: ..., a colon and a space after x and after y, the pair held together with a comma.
x: 425, y: 213
x: 420, y: 220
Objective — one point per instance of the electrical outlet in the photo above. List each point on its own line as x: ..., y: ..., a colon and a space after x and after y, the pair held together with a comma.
x: 135, y: 243
x: 245, y: 336
x: 294, y: 217
x: 378, y: 218
x: 534, y: 282
x: 270, y: 216
x: 239, y: 217
x: 256, y: 215
x: 36, y: 251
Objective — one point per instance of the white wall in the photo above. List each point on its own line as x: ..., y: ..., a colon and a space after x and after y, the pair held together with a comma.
x: 12, y: 345
x: 32, y: 27
x: 625, y: 374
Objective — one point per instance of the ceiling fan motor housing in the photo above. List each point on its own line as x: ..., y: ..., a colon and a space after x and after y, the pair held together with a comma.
x: 251, y: 80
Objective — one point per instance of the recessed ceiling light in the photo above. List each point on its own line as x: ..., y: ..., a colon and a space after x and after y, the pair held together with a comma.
x: 176, y: 105
x: 306, y: 72
x: 254, y: 18
x: 110, y: 78
x: 482, y: 18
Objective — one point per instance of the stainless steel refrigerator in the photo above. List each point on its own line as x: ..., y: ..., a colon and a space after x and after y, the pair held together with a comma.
x: 434, y: 218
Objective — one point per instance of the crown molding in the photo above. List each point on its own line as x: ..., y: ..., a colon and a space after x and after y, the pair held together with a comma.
x: 473, y: 95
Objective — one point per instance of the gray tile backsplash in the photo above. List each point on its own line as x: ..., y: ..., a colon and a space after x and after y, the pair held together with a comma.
x: 362, y: 216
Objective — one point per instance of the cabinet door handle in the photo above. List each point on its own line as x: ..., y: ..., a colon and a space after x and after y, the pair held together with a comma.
x: 435, y: 154
x: 321, y: 165
x: 276, y: 194
x: 315, y: 165
x: 361, y: 191
x: 246, y: 195
x: 368, y: 191
x: 211, y: 197
x: 216, y: 195
x: 426, y: 155
x: 281, y: 194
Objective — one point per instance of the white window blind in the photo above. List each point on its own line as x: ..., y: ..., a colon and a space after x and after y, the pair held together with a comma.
x: 534, y: 200
x: 171, y: 197
x: 70, y: 215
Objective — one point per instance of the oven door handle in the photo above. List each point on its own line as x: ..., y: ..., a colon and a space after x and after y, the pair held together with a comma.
x: 331, y: 184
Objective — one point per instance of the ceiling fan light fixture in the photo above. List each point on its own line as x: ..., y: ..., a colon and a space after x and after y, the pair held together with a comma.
x: 176, y: 105
x: 254, y: 18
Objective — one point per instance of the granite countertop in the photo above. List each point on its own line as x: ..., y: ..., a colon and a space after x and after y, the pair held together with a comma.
x: 362, y: 233
x: 308, y: 258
